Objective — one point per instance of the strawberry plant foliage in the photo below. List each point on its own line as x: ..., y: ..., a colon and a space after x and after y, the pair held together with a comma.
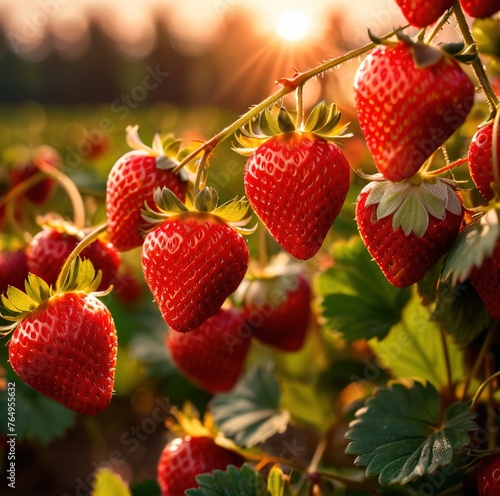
x: 357, y: 300
x: 425, y: 439
x: 244, y: 482
x: 251, y: 412
x: 413, y: 348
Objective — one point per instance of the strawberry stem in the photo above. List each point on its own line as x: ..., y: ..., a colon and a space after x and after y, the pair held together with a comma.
x: 89, y: 239
x: 300, y: 107
x: 287, y: 86
x: 478, y: 362
x: 449, y: 374
x: 476, y: 64
x: 69, y: 186
x: 482, y: 387
x: 15, y: 193
x: 448, y: 167
x: 437, y: 27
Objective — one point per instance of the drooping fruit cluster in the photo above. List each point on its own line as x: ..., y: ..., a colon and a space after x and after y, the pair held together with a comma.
x: 64, y: 342
x: 410, y: 98
x: 184, y: 458
x: 296, y: 179
x: 195, y: 257
x: 409, y: 225
x: 132, y: 182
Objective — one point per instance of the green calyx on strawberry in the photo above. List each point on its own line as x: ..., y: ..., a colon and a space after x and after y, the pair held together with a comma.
x: 409, y: 225
x: 133, y: 180
x: 195, y: 256
x: 296, y: 179
x: 64, y: 341
x: 410, y: 98
x: 276, y: 303
x: 475, y: 255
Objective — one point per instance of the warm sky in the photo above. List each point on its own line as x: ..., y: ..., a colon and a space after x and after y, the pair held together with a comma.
x: 191, y: 21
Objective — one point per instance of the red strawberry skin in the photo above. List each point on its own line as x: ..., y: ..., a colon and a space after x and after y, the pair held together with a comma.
x: 185, y: 458
x: 278, y: 310
x: 480, y: 160
x: 486, y: 281
x: 66, y: 349
x: 131, y: 182
x: 488, y: 475
x: 406, y: 112
x: 50, y: 248
x: 480, y: 8
x: 213, y: 354
x: 13, y: 269
x: 40, y: 192
x: 297, y: 183
x: 422, y: 13
x: 404, y: 260
x: 192, y: 263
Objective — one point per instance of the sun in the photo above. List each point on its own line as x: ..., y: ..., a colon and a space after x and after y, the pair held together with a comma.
x: 292, y: 25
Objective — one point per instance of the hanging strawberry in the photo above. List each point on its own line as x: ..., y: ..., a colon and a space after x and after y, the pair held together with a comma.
x: 409, y: 225
x: 410, y: 98
x: 195, y: 257
x: 132, y: 182
x: 424, y: 12
x: 64, y: 340
x: 296, y: 179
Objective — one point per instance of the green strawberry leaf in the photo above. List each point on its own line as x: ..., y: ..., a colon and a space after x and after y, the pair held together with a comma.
x: 460, y: 312
x: 108, y: 483
x: 16, y: 304
x: 37, y: 417
x: 414, y: 348
x: 357, y: 299
x: 81, y: 277
x: 243, y: 482
x: 472, y: 246
x: 251, y: 412
x: 148, y: 487
x: 402, y: 434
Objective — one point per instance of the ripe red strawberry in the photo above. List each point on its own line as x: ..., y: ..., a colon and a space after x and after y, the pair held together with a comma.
x: 192, y: 263
x: 213, y: 354
x: 185, y: 458
x: 486, y: 281
x: 131, y: 183
x: 480, y: 8
x: 50, y: 248
x: 421, y: 13
x: 297, y: 182
x: 64, y: 343
x: 13, y: 269
x: 278, y: 309
x: 408, y: 227
x: 40, y: 192
x: 488, y: 475
x: 481, y: 160
x: 408, y: 110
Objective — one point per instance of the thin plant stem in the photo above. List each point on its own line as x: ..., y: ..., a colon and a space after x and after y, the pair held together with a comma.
x: 89, y: 239
x: 476, y: 64
x: 300, y: 107
x: 318, y: 454
x: 437, y: 28
x: 483, y: 386
x: 287, y: 86
x: 479, y: 360
x: 449, y: 374
x: 70, y: 188
x: 447, y: 167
